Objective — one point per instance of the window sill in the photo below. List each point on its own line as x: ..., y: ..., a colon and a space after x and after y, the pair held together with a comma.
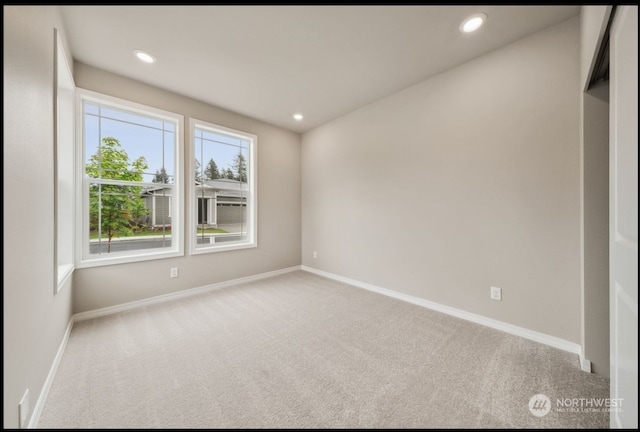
x: 64, y: 275
x: 224, y: 248
x: 125, y: 259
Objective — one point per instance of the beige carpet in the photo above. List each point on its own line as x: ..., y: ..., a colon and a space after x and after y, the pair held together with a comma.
x: 301, y: 351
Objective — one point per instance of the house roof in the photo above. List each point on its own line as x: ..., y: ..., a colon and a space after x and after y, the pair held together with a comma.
x: 226, y: 185
x: 223, y: 186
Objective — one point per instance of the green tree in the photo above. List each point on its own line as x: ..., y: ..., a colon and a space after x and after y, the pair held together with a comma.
x: 198, y: 173
x: 227, y: 173
x: 211, y: 171
x: 114, y: 208
x: 161, y: 176
x: 240, y: 168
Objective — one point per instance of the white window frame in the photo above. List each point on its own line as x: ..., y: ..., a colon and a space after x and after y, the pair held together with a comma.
x: 84, y: 259
x: 63, y: 167
x: 252, y: 198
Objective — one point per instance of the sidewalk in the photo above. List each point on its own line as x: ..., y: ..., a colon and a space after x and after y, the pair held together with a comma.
x: 231, y: 229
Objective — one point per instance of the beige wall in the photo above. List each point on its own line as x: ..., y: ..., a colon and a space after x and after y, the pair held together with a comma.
x: 34, y: 318
x: 485, y: 161
x: 278, y: 207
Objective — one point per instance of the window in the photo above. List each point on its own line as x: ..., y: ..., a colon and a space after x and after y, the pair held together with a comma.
x: 223, y: 188
x: 63, y: 166
x: 131, y: 187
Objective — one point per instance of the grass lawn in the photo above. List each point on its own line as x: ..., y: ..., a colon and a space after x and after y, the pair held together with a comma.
x: 94, y: 234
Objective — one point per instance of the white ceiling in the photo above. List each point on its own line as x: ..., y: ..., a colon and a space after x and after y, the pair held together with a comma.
x: 269, y: 62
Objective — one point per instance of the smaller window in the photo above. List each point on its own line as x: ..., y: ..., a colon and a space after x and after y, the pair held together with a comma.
x: 223, y: 188
x: 63, y: 166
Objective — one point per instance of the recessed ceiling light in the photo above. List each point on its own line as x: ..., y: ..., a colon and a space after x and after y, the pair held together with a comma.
x: 298, y: 117
x: 473, y: 23
x: 144, y: 56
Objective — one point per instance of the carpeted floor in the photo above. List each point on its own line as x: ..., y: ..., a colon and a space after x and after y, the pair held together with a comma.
x: 301, y: 351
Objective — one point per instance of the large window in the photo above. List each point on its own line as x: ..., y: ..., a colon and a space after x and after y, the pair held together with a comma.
x: 223, y: 188
x: 131, y: 188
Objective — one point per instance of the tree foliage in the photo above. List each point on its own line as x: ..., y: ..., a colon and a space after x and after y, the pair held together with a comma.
x: 198, y: 171
x: 240, y: 168
x: 237, y: 170
x: 228, y: 174
x: 161, y: 176
x: 211, y: 171
x: 114, y: 208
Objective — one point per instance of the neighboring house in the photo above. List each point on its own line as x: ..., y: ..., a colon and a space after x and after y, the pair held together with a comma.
x: 220, y: 201
x: 158, y: 201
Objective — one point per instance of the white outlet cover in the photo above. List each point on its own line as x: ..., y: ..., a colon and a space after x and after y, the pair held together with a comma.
x: 496, y: 293
x: 174, y: 272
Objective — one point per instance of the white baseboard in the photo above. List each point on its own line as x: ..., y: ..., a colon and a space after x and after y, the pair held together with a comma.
x: 39, y: 406
x: 478, y: 319
x: 615, y: 422
x: 179, y: 294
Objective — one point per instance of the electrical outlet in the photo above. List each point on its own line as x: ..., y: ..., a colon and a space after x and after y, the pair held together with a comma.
x: 23, y: 410
x: 174, y: 272
x: 496, y: 293
x: 315, y: 254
